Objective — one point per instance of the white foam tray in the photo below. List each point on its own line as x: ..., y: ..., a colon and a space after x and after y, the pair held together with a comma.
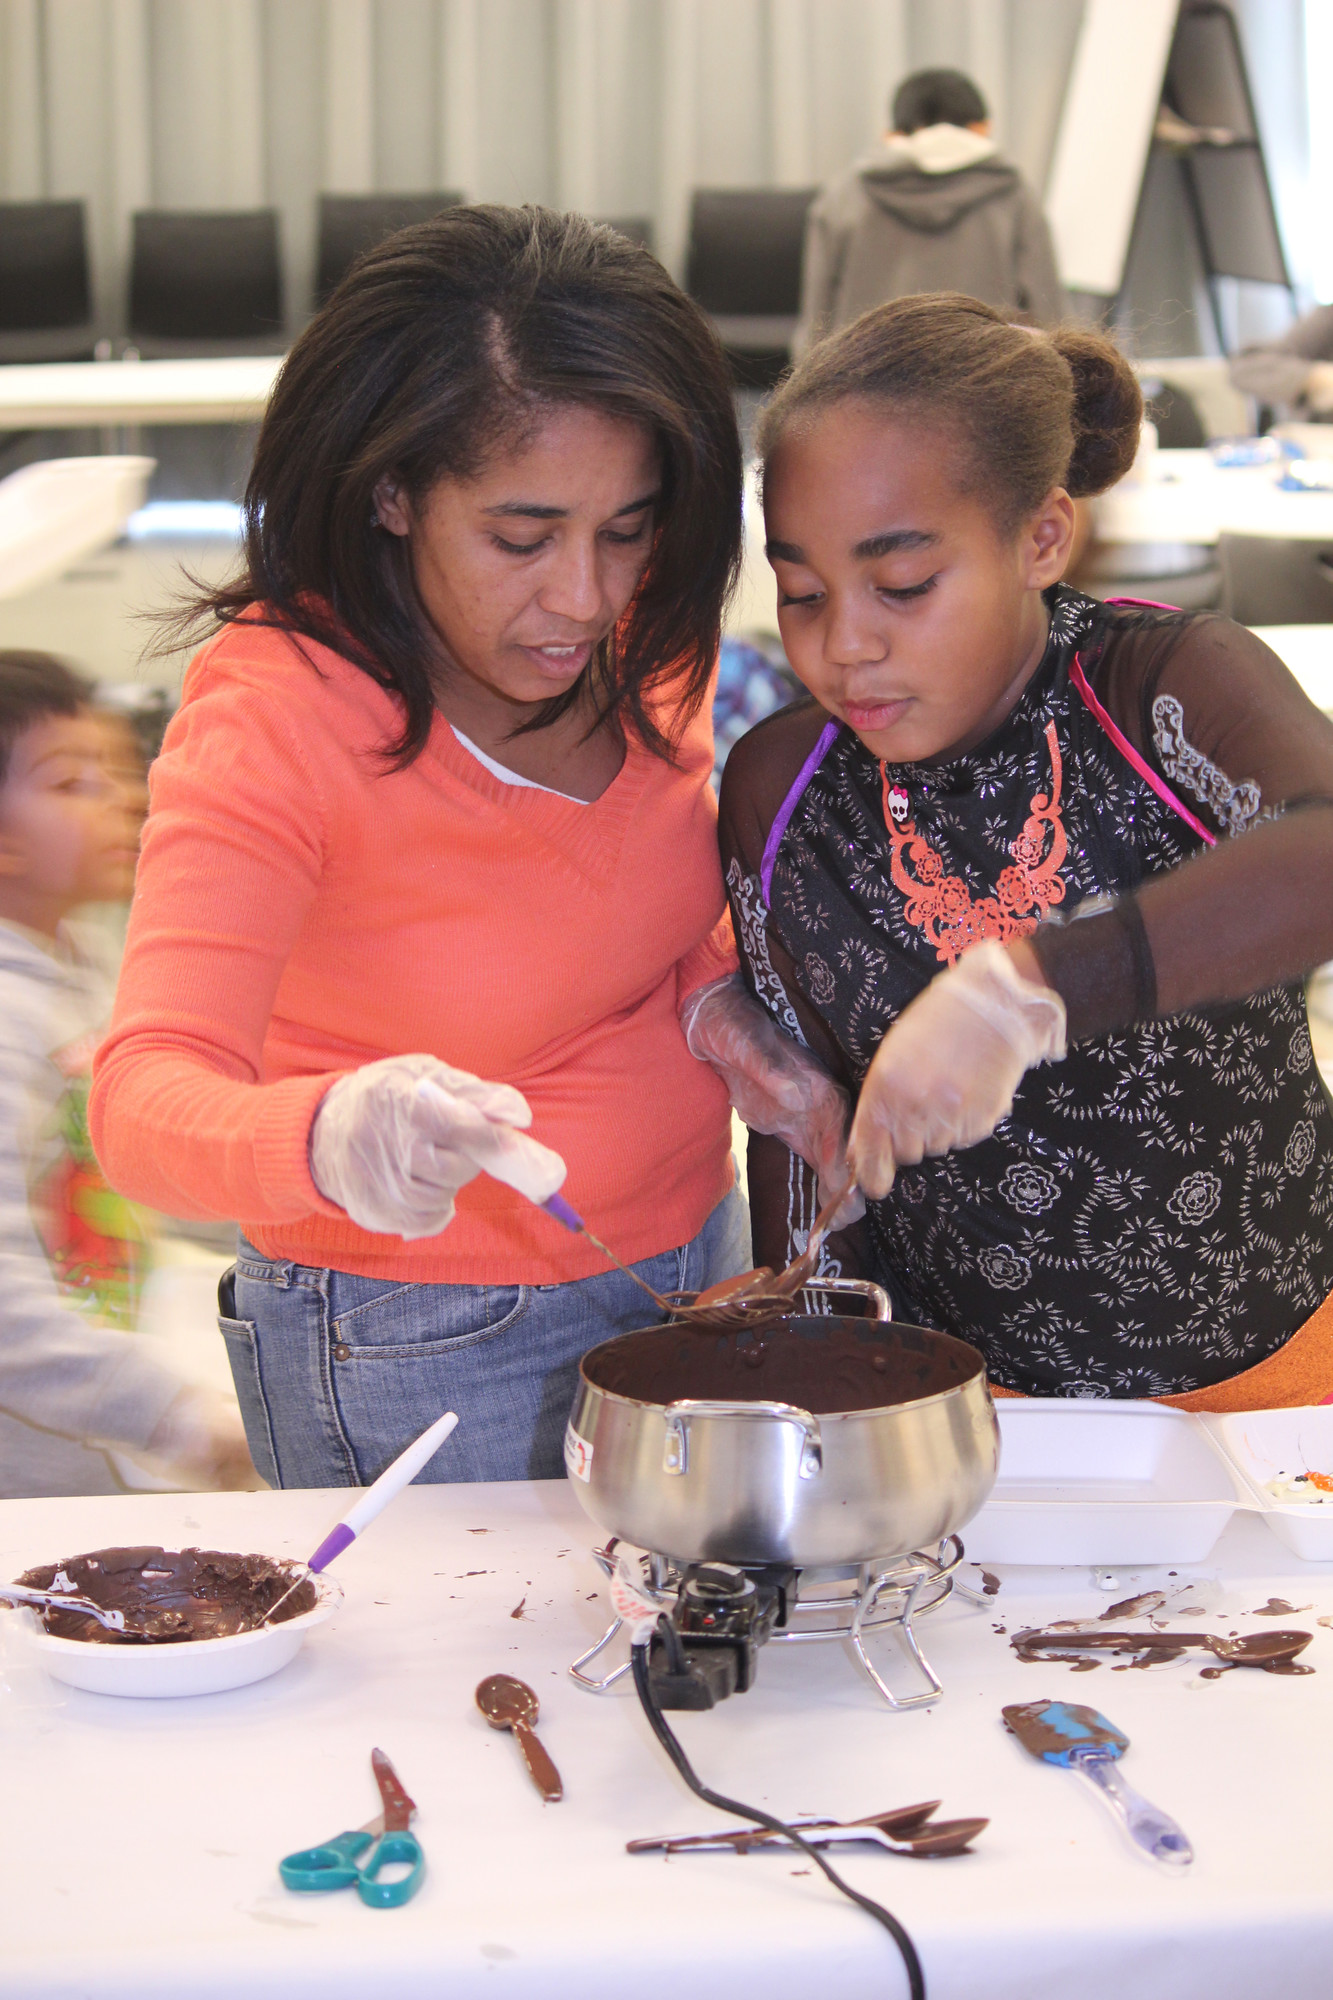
x: 1103, y: 1483
x: 1261, y: 1444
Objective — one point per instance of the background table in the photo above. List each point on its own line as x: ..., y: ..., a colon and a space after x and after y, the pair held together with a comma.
x: 1187, y: 498
x: 140, y: 1840
x: 70, y: 395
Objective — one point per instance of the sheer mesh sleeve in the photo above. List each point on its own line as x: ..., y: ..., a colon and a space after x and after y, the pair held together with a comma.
x: 759, y: 773
x: 1216, y: 713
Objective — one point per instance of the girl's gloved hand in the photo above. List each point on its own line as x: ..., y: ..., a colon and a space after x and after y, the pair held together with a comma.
x: 393, y: 1143
x: 775, y: 1084
x: 946, y: 1072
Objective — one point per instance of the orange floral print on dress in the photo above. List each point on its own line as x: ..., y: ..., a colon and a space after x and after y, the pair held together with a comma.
x: 944, y: 908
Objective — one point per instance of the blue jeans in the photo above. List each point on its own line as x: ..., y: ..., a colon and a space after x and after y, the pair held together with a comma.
x: 337, y: 1374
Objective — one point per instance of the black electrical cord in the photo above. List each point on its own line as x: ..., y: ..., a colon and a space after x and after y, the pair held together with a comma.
x: 666, y: 1736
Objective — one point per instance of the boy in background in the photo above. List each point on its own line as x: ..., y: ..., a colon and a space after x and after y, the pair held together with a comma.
x: 69, y: 1381
x: 934, y: 208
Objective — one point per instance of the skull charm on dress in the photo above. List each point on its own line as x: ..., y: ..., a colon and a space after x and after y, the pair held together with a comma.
x: 900, y: 805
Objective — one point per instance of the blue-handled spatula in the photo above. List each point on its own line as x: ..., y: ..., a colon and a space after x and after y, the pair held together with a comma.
x: 1079, y: 1739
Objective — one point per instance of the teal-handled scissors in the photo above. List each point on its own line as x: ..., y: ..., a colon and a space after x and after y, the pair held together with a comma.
x: 337, y: 1864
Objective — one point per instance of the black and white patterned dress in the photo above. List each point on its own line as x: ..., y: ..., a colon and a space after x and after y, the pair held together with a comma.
x: 1154, y: 1215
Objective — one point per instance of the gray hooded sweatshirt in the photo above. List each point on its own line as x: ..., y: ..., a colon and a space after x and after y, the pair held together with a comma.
x: 67, y: 1383
x: 937, y: 211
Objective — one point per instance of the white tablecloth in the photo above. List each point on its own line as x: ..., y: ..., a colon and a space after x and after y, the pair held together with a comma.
x: 67, y: 395
x: 140, y: 1840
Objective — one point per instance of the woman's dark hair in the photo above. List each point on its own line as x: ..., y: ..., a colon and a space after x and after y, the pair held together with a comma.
x: 936, y: 97
x: 446, y: 342
x: 1031, y: 410
x: 34, y: 686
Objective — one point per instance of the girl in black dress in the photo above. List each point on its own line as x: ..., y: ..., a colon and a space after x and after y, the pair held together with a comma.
x: 1038, y: 880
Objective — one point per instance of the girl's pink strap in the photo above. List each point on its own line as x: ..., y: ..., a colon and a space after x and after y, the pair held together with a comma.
x: 1127, y: 750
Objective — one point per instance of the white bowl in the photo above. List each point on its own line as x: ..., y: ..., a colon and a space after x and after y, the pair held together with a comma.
x: 200, y: 1666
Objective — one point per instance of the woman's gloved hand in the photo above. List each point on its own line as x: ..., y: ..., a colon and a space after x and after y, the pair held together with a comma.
x: 775, y: 1084
x: 393, y: 1143
x: 946, y: 1072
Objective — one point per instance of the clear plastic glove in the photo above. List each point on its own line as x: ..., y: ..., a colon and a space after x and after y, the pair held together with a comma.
x: 201, y: 1439
x: 946, y: 1072
x: 394, y: 1142
x: 775, y: 1084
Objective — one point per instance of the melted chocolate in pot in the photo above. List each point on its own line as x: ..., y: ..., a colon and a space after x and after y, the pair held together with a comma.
x: 171, y: 1595
x: 822, y: 1365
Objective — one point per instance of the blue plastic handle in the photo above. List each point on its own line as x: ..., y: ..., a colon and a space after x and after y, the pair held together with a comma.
x: 403, y: 1849
x: 330, y: 1866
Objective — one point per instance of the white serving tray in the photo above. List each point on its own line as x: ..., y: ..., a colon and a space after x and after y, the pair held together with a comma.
x: 1261, y: 1444
x: 1104, y: 1483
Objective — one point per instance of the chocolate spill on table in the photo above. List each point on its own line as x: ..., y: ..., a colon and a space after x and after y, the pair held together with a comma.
x: 171, y: 1595
x: 1133, y: 1607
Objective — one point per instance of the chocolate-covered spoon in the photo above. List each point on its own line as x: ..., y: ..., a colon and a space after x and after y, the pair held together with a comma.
x: 1253, y: 1649
x: 507, y: 1703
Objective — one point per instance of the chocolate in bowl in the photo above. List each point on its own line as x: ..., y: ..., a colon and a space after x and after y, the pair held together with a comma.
x: 171, y: 1596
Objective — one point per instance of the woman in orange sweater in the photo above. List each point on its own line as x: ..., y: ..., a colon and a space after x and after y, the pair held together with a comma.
x: 432, y: 859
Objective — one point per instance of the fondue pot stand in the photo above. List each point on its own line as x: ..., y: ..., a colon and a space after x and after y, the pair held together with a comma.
x: 817, y: 1453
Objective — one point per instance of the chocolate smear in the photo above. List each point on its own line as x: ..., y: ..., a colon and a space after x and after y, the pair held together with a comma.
x: 1027, y: 1721
x: 1133, y: 1607
x: 170, y: 1596
x: 1278, y: 1607
x: 990, y: 1585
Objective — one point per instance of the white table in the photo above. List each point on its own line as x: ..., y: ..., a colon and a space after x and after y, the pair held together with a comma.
x: 1308, y: 651
x: 69, y: 395
x: 1186, y: 498
x: 140, y: 1840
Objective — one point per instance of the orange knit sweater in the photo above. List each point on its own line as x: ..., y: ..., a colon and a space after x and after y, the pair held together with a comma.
x: 301, y: 910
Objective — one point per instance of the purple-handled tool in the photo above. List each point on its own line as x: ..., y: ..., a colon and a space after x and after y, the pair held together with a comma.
x: 561, y: 1210
x: 390, y: 1483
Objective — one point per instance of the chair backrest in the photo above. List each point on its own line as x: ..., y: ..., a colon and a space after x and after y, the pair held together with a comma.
x: 745, y: 250
x: 45, y: 303
x: 638, y: 228
x: 350, y: 224
x: 204, y: 282
x: 1269, y: 581
x: 1174, y: 415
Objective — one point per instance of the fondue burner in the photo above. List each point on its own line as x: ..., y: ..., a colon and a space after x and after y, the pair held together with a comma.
x: 721, y: 1613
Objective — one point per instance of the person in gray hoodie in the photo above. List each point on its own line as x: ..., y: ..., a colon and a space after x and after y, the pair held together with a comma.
x: 73, y: 1383
x: 935, y: 208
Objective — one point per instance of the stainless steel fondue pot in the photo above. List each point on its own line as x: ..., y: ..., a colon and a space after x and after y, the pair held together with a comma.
x: 760, y: 1479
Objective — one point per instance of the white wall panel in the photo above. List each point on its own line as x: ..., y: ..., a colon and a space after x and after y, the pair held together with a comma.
x: 620, y: 106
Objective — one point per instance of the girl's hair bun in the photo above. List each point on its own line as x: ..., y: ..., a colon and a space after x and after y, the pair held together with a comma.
x: 1107, y: 412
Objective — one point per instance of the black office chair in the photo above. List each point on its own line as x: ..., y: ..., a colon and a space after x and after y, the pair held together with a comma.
x: 1269, y: 581
x: 744, y: 268
x: 638, y: 228
x: 350, y: 224
x: 45, y: 302
x: 1174, y: 415
x: 204, y: 283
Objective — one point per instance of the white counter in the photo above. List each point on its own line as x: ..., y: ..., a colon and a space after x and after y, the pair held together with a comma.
x: 140, y: 1840
x: 69, y: 395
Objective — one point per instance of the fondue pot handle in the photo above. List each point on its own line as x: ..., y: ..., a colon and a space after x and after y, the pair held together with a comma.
x: 676, y: 1455
x: 863, y: 1288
